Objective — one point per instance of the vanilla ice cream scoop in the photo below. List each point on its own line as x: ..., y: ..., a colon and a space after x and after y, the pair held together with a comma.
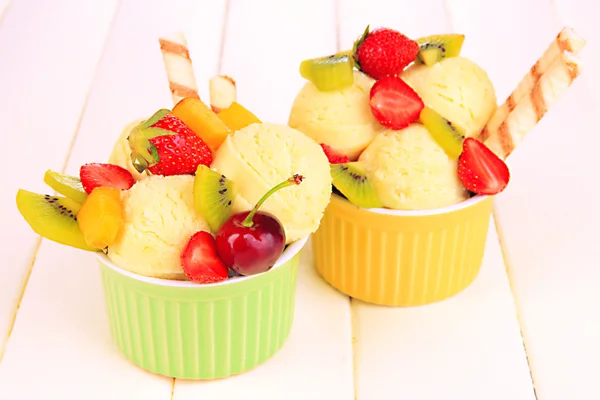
x: 260, y: 156
x: 458, y: 89
x: 159, y: 219
x: 341, y: 119
x: 121, y: 152
x: 410, y: 171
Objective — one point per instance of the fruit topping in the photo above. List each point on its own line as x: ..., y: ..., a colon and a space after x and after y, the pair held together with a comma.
x: 213, y: 196
x: 200, y: 260
x: 480, y: 170
x: 384, y: 52
x: 333, y: 72
x: 395, y: 104
x: 237, y: 117
x: 435, y: 48
x: 100, y: 217
x: 333, y: 156
x: 449, y: 137
x: 202, y: 121
x: 109, y: 175
x: 167, y: 147
x: 250, y: 242
x: 352, y: 181
x: 52, y: 217
x: 66, y: 185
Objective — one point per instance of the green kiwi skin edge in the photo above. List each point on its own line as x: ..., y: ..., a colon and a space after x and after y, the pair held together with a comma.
x: 213, y: 196
x: 52, y: 217
x: 435, y: 48
x: 351, y: 180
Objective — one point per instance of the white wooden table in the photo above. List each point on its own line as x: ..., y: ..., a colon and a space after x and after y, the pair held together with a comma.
x: 74, y: 72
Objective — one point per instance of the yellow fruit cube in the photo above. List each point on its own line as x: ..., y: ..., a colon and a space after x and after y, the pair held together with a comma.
x: 202, y: 120
x: 237, y: 117
x: 100, y: 217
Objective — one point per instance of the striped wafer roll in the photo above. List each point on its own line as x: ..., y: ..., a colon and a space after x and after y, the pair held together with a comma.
x: 566, y: 40
x: 526, y: 113
x: 178, y: 65
x: 223, y: 92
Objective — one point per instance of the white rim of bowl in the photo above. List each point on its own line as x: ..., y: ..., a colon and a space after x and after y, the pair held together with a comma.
x: 291, y: 250
x: 421, y: 213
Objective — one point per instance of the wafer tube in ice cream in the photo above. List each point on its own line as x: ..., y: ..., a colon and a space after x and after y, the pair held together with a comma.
x: 178, y: 65
x: 222, y: 92
x: 566, y: 40
x: 503, y: 137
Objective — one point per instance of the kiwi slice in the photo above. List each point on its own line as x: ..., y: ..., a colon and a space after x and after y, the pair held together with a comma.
x: 329, y: 73
x: 213, y: 196
x: 52, y: 217
x: 435, y: 48
x: 448, y: 136
x: 351, y: 180
x: 66, y: 185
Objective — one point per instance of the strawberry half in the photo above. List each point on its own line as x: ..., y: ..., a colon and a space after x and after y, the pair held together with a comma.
x: 200, y: 260
x: 384, y: 52
x: 333, y: 156
x: 480, y: 170
x: 395, y: 104
x: 108, y: 175
x: 167, y: 146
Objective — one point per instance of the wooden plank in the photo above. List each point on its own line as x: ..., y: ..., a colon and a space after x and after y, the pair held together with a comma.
x: 46, y: 74
x: 579, y: 15
x: 548, y: 239
x: 65, y: 289
x: 262, y: 53
x: 3, y: 7
x: 467, y: 347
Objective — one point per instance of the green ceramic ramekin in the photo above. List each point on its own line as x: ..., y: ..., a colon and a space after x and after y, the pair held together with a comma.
x: 186, y: 330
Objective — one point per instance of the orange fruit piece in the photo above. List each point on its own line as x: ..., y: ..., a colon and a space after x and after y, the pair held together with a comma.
x: 100, y: 217
x: 202, y: 120
x: 237, y: 117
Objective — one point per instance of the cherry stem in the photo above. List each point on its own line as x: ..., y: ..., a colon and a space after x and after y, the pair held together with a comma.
x: 294, y: 180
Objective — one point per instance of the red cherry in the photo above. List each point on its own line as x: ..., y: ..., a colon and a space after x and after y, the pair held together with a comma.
x: 251, y: 242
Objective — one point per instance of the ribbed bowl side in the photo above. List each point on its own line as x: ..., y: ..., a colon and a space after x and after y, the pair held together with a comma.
x: 201, y: 332
x: 399, y: 260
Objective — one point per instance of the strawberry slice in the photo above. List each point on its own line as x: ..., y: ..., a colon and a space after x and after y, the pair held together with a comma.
x: 480, y: 170
x: 333, y: 156
x: 200, y: 260
x: 395, y: 104
x: 94, y: 175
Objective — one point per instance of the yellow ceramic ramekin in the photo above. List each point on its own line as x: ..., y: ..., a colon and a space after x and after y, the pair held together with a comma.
x: 401, y: 258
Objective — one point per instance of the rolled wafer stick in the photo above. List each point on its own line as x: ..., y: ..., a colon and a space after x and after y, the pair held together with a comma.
x: 566, y: 40
x: 178, y: 65
x: 504, y: 138
x: 222, y: 91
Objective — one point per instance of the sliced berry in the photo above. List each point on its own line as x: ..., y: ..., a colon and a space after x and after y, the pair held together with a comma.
x: 333, y: 156
x: 108, y: 175
x: 200, y: 260
x: 480, y: 170
x: 395, y: 104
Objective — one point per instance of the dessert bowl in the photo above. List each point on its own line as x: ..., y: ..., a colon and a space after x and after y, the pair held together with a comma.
x: 401, y: 257
x: 184, y: 330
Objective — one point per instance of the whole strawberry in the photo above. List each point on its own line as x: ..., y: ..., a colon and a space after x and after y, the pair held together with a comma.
x: 384, y: 52
x: 165, y: 145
